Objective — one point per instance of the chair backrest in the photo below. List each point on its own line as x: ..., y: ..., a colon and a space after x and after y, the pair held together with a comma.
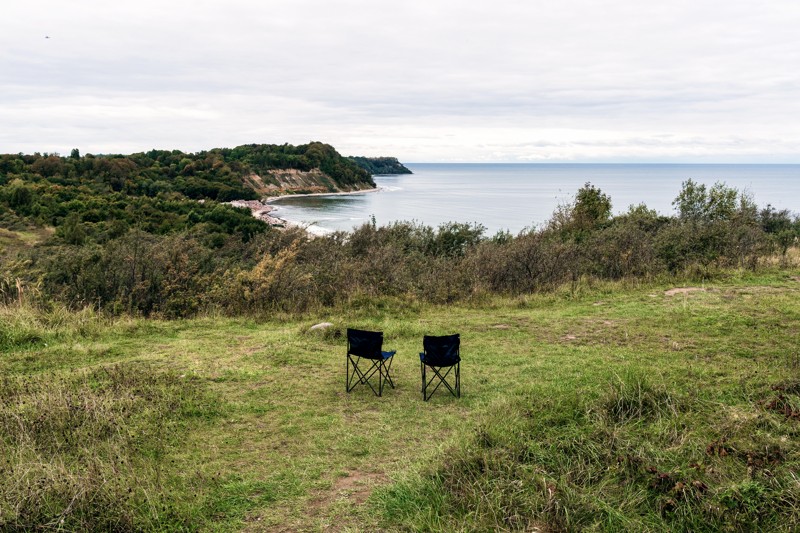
x: 365, y: 344
x: 442, y: 350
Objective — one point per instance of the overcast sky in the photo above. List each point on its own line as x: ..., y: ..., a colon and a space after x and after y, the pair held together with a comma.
x: 422, y: 80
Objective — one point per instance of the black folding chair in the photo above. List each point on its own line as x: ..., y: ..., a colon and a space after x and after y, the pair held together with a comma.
x: 366, y: 346
x: 442, y: 352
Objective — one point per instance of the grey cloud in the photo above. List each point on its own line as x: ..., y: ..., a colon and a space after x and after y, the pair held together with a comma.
x: 414, y: 79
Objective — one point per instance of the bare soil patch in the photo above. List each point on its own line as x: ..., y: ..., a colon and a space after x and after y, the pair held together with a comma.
x: 357, y: 486
x: 683, y: 290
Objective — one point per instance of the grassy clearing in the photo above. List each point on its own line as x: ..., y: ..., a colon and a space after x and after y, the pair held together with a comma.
x: 601, y: 407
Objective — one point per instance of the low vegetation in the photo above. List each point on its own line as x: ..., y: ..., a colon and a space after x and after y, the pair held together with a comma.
x: 84, y: 449
x: 596, y: 406
x: 233, y: 264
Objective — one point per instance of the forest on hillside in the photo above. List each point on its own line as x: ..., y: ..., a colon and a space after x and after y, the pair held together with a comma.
x: 381, y: 165
x: 96, y: 198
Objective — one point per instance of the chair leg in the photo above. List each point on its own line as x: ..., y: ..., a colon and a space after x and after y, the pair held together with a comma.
x: 378, y: 366
x: 363, y: 377
x: 424, y: 382
x: 458, y: 379
x: 347, y: 374
x: 454, y: 389
x: 387, y: 371
x: 351, y: 376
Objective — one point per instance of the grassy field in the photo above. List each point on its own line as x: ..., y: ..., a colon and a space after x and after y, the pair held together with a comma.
x: 601, y: 407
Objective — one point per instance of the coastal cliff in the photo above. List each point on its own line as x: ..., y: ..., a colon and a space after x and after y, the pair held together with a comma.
x: 294, y: 181
x: 272, y: 170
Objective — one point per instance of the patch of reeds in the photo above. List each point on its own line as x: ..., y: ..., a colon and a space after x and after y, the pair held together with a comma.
x: 25, y: 325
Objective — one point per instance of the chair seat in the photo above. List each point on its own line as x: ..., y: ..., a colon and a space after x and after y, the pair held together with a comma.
x: 387, y: 355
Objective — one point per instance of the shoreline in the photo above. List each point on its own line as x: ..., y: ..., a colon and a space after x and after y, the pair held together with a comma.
x: 273, y: 199
x: 262, y: 209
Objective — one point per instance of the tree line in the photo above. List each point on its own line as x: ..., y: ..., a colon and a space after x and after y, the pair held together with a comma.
x: 381, y: 165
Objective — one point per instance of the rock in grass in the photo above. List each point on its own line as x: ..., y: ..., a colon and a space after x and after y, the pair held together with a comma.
x: 325, y: 330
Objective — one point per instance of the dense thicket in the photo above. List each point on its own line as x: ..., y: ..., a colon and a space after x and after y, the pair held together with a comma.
x: 142, y: 268
x: 381, y: 165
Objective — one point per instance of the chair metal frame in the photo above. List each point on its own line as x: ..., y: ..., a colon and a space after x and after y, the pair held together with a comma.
x: 362, y: 344
x: 435, y: 360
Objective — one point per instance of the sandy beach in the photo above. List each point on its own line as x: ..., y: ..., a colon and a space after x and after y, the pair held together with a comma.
x: 273, y: 199
x: 261, y: 209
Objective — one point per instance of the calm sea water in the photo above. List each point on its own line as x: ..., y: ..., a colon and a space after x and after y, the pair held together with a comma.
x: 515, y: 196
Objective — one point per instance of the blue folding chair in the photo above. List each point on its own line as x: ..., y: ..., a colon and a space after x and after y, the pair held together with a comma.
x: 365, y: 348
x: 442, y: 356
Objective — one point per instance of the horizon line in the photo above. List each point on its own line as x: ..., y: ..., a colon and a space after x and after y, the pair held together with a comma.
x: 592, y: 163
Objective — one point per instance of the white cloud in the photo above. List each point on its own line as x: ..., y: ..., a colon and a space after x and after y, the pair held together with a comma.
x: 423, y: 80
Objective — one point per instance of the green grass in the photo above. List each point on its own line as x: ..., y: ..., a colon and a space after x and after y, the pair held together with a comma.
x: 604, y: 408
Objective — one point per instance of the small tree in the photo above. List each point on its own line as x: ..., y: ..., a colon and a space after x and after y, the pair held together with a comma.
x: 590, y: 210
x: 19, y: 194
x: 72, y: 230
x: 695, y: 203
x: 592, y: 207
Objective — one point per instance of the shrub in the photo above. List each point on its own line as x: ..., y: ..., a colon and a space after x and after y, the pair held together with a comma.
x: 215, y: 262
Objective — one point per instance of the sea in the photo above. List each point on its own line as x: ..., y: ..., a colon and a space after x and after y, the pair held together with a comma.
x: 517, y: 197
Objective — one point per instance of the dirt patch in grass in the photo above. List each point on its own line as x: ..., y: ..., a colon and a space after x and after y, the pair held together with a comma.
x: 250, y: 350
x: 357, y: 486
x: 600, y: 331
x: 352, y: 489
x: 683, y: 290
